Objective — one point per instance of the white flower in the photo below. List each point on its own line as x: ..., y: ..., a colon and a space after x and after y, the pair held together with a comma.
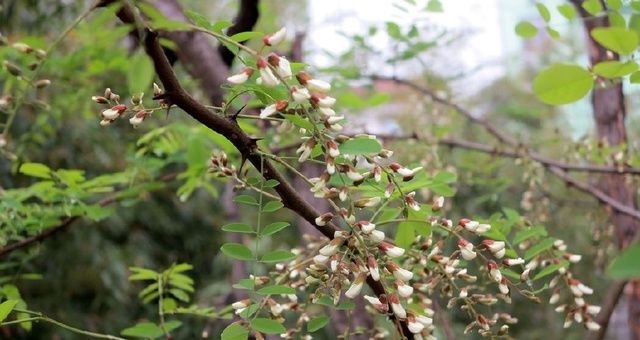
x: 399, y: 273
x: 332, y: 148
x: 372, y: 300
x: 241, y: 304
x: 414, y: 326
x: 513, y: 262
x: 356, y: 286
x: 390, y: 249
x: 281, y: 64
x: 366, y: 226
x: 354, y: 175
x: 592, y: 325
x: 494, y: 272
x: 326, y: 111
x: 397, y: 308
x: 593, y: 310
x: 482, y: 228
x: 424, y: 320
x: 323, y: 101
x: 374, y: 270
x: 404, y: 290
x: 137, y: 119
x: 320, y: 259
x: 300, y: 95
x: 317, y: 85
x: 377, y: 236
x: 332, y: 247
x: 573, y: 258
x: 275, y: 38
x: 241, y: 77
x: 267, y: 76
x: 555, y: 297
x: 466, y: 250
x: 268, y: 111
x: 113, y: 112
x: 504, y: 289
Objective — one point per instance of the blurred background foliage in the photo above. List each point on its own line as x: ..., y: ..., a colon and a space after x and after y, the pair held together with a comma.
x: 84, y: 270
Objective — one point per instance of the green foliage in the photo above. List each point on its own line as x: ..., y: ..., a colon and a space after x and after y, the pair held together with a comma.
x: 562, y: 84
x: 626, y: 264
x: 526, y: 29
x: 618, y: 39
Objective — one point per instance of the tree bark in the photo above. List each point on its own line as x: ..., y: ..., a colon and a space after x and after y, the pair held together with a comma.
x: 609, y: 114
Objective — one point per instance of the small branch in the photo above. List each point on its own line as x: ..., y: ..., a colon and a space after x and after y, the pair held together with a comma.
x: 245, y: 20
x: 608, y: 306
x: 506, y: 139
x: 62, y: 225
x: 40, y: 317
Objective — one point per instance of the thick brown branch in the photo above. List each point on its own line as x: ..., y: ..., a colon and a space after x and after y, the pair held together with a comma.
x: 245, y: 20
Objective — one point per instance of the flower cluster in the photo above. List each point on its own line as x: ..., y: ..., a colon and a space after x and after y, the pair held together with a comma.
x: 117, y: 110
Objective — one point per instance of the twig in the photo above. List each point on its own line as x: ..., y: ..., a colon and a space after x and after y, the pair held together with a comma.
x: 510, y: 141
x: 608, y: 306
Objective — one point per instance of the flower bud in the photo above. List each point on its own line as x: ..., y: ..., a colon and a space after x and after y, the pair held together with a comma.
x: 275, y: 38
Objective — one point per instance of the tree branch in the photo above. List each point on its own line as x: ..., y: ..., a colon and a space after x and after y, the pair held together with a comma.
x: 608, y: 306
x: 510, y: 141
x: 245, y: 20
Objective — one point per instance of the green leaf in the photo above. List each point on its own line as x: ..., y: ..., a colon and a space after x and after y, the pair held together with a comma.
x: 272, y: 206
x: 593, y: 7
x: 35, y: 170
x: 617, y: 20
x: 434, y: 6
x: 544, y: 12
x: 218, y: 26
x: 139, y: 73
x: 276, y: 289
x: 635, y: 78
x: 567, y: 11
x: 317, y: 323
x: 617, y: 39
x: 627, y: 264
x: 278, y: 256
x: 246, y: 199
x: 445, y: 177
x: 235, y: 331
x: 273, y: 228
x: 528, y: 233
x: 538, y: 248
x: 614, y: 68
x: 526, y: 29
x: 634, y: 23
x: 245, y: 284
x: 267, y: 326
x: 238, y: 228
x: 393, y: 30
x: 272, y: 183
x: 614, y: 4
x: 171, y: 325
x: 237, y: 251
x: 6, y: 308
x: 180, y: 295
x: 299, y: 121
x: 562, y: 84
x: 360, y: 146
x: 550, y: 269
x: 244, y: 36
x: 552, y: 33
x: 144, y: 330
x: 405, y: 235
x: 142, y: 274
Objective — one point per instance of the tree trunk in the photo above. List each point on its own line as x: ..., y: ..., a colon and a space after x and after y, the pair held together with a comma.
x: 609, y: 115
